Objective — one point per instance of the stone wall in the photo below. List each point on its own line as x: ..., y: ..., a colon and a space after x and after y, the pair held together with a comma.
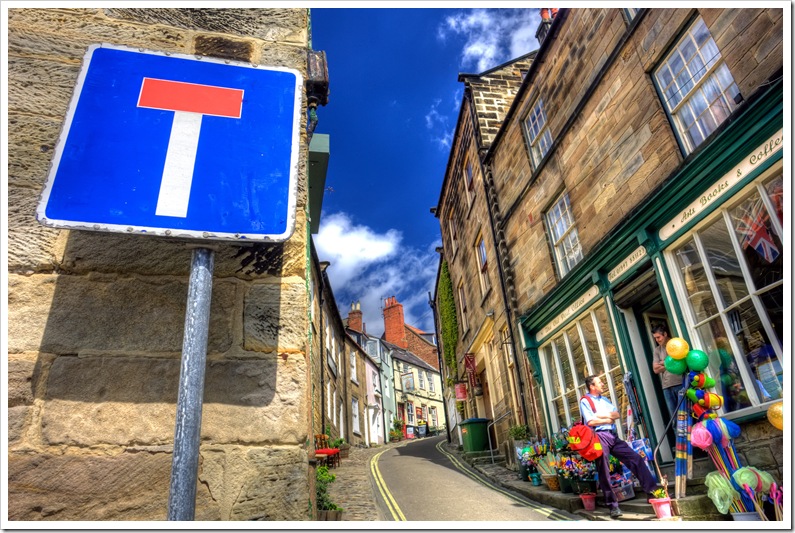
x: 96, y: 319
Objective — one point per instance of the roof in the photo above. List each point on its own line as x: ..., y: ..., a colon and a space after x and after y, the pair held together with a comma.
x: 408, y: 357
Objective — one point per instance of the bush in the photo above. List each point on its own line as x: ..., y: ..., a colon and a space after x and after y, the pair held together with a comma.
x: 336, y: 443
x: 397, y: 423
x: 322, y: 479
x: 520, y: 432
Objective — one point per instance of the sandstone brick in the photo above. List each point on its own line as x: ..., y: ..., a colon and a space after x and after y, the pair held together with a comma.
x: 282, y: 25
x: 71, y: 314
x: 20, y: 382
x: 31, y: 139
x: 67, y: 35
x: 274, y: 317
x: 17, y: 418
x: 258, y: 483
x: 30, y: 245
x: 41, y: 87
x: 128, y: 486
x: 125, y: 401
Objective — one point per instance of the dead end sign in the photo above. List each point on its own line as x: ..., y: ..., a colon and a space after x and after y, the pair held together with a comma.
x: 177, y: 145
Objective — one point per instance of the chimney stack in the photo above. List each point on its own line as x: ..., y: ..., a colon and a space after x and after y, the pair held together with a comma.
x: 355, y: 318
x: 394, y: 323
x: 547, y: 15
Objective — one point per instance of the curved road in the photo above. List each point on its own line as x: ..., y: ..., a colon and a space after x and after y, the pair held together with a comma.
x: 423, y: 481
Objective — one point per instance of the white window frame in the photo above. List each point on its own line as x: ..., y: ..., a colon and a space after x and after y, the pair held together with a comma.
x: 723, y: 312
x: 355, y: 416
x: 410, y: 413
x: 563, y: 235
x: 539, y: 138
x: 422, y: 379
x: 431, y: 385
x: 353, y: 367
x: 708, y: 86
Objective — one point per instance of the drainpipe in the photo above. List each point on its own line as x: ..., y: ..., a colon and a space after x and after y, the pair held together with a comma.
x: 490, y: 207
x: 323, y: 265
x: 432, y: 303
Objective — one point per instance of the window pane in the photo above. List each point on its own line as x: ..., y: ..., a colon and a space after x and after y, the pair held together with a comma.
x: 565, y: 366
x: 593, y: 347
x: 758, y: 352
x: 723, y: 363
x: 762, y: 248
x: 722, y: 259
x: 607, y: 336
x: 773, y: 302
x: 553, y: 369
x: 581, y: 369
x: 699, y: 295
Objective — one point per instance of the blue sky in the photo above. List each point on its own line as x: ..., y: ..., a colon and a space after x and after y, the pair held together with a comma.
x: 393, y: 104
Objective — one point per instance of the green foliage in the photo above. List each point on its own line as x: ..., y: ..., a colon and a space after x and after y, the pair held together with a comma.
x: 336, y: 443
x: 397, y: 423
x: 520, y: 432
x: 448, y: 319
x: 322, y: 479
x: 395, y: 434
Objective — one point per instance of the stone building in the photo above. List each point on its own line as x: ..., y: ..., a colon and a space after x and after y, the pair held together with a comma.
x: 96, y: 319
x: 636, y: 180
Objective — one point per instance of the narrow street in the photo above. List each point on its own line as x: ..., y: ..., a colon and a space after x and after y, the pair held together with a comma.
x: 422, y: 480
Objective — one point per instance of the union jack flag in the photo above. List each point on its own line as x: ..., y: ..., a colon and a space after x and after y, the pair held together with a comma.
x: 755, y: 234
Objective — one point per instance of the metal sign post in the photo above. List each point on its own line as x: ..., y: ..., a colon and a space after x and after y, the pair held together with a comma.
x: 187, y: 433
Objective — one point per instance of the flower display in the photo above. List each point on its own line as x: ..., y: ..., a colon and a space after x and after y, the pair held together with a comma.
x: 574, y: 467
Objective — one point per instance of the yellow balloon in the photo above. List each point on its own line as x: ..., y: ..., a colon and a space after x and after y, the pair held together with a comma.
x: 775, y: 414
x: 677, y: 348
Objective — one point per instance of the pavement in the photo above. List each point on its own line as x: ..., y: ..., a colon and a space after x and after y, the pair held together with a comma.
x: 355, y: 491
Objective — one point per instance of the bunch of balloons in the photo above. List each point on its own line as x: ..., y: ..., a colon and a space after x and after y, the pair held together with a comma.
x: 681, y: 359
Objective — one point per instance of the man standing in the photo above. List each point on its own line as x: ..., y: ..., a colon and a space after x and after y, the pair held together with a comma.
x: 671, y: 383
x: 602, y: 420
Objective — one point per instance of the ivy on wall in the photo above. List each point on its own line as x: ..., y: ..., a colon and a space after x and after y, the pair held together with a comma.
x: 448, y: 319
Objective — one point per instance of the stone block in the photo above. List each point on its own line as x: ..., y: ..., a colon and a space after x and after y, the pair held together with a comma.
x: 126, y: 401
x: 285, y: 25
x: 274, y: 317
x: 66, y: 35
x: 31, y: 246
x: 17, y: 418
x: 31, y: 140
x: 760, y: 456
x: 258, y: 483
x: 40, y: 87
x: 127, y: 486
x: 65, y: 314
x: 220, y: 47
x: 20, y: 382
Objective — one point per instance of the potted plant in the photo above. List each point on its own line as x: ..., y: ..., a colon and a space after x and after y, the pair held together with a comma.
x: 344, y: 447
x: 326, y: 509
x: 395, y: 435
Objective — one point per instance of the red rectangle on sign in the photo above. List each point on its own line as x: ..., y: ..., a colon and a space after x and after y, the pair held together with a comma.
x: 191, y: 97
x: 460, y: 391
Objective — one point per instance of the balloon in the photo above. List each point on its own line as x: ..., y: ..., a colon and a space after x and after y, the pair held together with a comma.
x: 677, y: 347
x: 775, y: 414
x: 697, y: 360
x: 675, y: 366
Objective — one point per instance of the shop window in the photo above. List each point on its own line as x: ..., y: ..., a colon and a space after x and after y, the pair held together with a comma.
x: 697, y: 88
x: 731, y: 274
x: 539, y: 139
x: 483, y: 265
x: 355, y: 415
x: 586, y: 347
x: 563, y: 235
x: 410, y: 413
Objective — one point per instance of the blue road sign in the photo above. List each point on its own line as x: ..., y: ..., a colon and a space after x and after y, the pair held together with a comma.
x: 177, y: 145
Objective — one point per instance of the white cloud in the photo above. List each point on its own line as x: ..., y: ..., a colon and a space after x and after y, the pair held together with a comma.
x: 440, y: 125
x: 367, y: 267
x: 492, y: 36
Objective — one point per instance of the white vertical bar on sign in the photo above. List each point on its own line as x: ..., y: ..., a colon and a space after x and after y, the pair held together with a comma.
x: 180, y: 159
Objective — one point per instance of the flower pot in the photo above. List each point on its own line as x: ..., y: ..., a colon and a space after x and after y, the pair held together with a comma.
x: 329, y: 515
x: 551, y: 481
x: 662, y: 507
x: 588, y: 501
x: 345, y: 451
x: 565, y: 485
x: 535, y: 477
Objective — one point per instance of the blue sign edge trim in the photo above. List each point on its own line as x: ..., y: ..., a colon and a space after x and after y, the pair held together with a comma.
x: 162, y: 231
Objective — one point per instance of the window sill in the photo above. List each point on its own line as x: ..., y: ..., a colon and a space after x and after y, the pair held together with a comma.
x: 485, y: 297
x: 357, y: 432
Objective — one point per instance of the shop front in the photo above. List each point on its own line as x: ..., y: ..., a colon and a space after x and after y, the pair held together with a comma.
x: 705, y: 259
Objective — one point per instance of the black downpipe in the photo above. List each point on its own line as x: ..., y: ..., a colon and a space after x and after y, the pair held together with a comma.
x: 322, y: 358
x: 432, y: 303
x: 503, y: 289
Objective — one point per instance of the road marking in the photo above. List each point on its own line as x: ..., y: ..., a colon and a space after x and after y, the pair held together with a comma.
x: 546, y: 511
x: 397, y: 514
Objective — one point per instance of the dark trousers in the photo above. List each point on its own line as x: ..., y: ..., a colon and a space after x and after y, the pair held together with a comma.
x: 612, y: 445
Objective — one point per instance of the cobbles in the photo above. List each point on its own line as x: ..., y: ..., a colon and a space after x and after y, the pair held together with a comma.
x: 353, y: 490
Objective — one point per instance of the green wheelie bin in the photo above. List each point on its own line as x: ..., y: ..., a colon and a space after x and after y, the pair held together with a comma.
x: 475, y: 434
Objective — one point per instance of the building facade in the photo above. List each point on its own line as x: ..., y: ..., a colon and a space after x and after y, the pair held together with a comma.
x: 96, y: 319
x: 637, y: 180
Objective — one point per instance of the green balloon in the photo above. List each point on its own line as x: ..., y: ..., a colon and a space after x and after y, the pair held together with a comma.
x: 697, y: 360
x: 675, y: 366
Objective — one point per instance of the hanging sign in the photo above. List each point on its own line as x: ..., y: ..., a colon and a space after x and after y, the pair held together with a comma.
x: 469, y: 365
x: 461, y: 392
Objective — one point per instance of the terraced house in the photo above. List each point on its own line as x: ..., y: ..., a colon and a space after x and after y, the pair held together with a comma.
x: 633, y: 177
